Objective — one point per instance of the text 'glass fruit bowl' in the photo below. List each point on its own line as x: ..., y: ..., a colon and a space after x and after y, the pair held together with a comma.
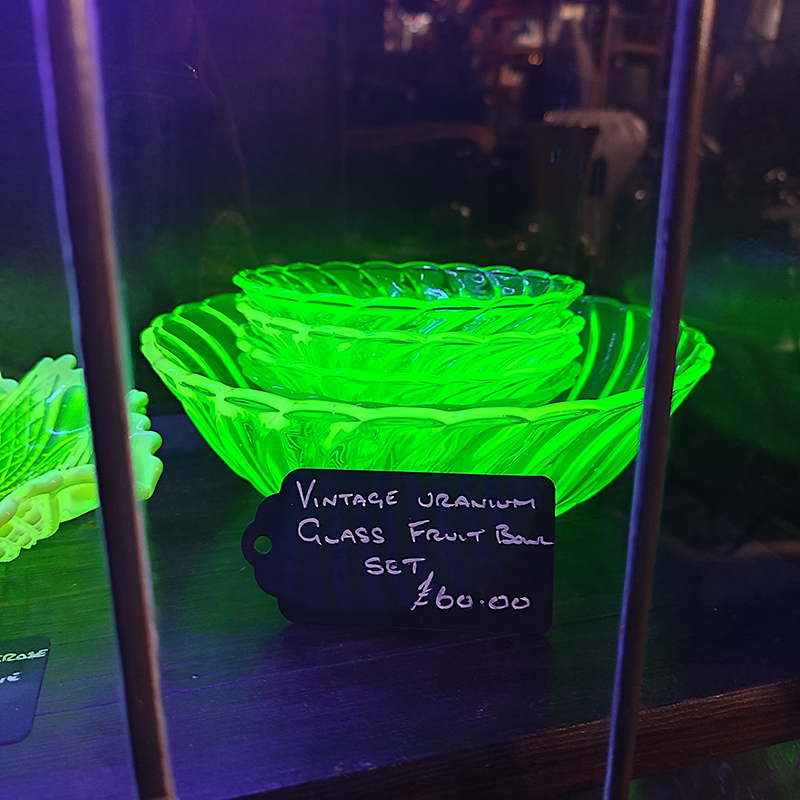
x: 581, y: 441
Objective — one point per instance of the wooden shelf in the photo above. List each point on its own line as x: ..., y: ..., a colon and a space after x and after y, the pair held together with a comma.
x: 569, y: 759
x: 255, y: 704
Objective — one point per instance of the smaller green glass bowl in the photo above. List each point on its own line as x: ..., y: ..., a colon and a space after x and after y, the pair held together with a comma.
x: 416, y: 296
x: 580, y: 443
x: 449, y: 389
x: 407, y: 352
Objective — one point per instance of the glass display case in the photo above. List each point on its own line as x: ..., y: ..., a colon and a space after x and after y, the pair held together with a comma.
x: 56, y: 622
x: 394, y: 236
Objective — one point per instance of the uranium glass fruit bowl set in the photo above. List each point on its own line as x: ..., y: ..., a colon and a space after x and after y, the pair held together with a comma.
x: 416, y: 367
x: 412, y: 367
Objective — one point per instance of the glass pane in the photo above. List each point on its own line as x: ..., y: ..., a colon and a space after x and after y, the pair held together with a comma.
x: 768, y: 774
x: 522, y: 136
x: 55, y: 602
x: 723, y: 616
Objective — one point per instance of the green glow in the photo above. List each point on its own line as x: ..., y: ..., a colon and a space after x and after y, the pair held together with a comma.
x: 448, y: 370
x: 450, y: 390
x: 581, y: 443
x: 406, y: 351
x: 46, y: 474
x: 417, y: 296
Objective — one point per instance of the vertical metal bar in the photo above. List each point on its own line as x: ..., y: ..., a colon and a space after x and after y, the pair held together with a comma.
x: 67, y: 54
x: 335, y: 49
x: 690, y: 57
x: 604, y: 55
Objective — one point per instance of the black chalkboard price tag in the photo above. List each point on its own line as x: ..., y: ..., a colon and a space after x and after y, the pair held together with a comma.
x: 422, y: 550
x: 22, y: 663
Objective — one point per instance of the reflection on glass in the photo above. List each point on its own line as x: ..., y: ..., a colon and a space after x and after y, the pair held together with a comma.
x: 477, y: 131
x: 58, y: 590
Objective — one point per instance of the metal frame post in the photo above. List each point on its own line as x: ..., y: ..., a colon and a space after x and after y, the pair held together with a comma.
x: 688, y: 78
x: 67, y: 55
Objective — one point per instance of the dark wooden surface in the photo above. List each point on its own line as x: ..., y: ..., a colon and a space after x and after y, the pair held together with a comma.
x: 255, y: 703
x: 571, y: 758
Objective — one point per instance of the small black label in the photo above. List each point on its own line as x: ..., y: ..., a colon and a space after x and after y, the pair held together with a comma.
x: 421, y: 550
x: 22, y: 664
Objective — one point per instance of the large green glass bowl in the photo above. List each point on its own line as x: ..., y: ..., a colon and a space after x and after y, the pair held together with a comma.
x: 581, y: 442
x: 415, y: 296
x: 408, y: 352
x: 447, y: 389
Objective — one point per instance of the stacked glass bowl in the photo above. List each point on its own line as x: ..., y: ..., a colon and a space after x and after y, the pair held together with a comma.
x: 415, y: 367
x: 451, y: 337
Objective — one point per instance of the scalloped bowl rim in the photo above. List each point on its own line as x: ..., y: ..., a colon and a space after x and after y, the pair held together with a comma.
x: 570, y: 288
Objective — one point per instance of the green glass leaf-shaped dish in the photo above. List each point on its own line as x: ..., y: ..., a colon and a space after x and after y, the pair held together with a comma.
x: 416, y: 296
x: 46, y: 471
x: 581, y: 442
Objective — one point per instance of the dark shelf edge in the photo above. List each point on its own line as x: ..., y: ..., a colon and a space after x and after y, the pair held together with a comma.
x: 572, y: 758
